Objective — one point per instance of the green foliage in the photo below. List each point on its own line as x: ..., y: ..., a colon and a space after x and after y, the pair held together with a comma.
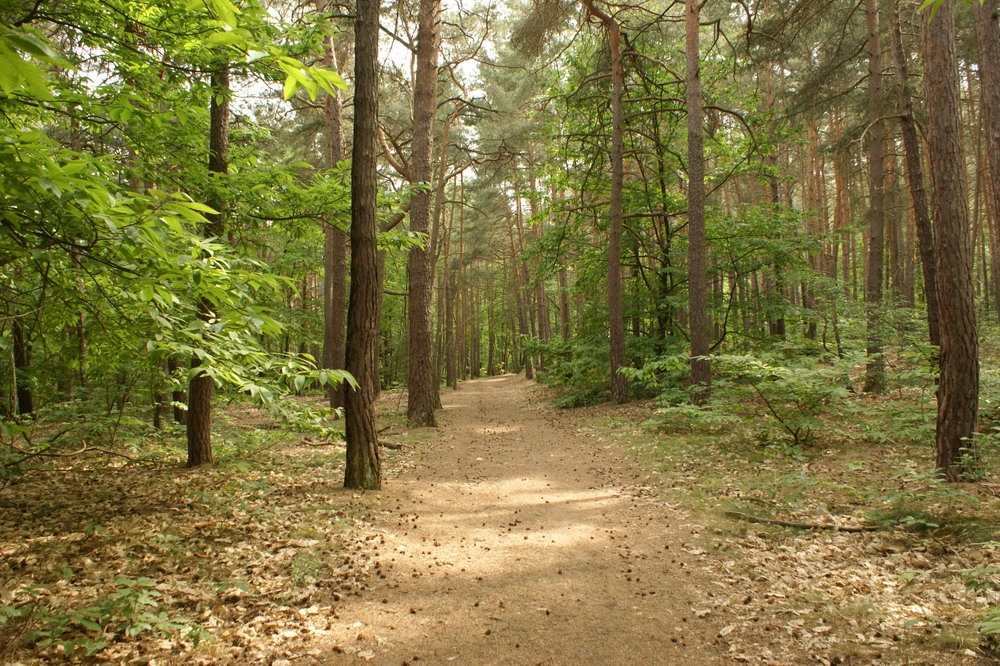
x: 784, y: 402
x: 130, y: 610
x: 793, y: 398
x: 922, y: 502
x: 18, y: 46
x: 103, y: 259
x: 661, y: 374
x: 713, y: 416
x: 579, y: 368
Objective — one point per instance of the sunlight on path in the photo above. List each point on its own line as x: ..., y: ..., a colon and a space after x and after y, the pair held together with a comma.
x: 512, y: 540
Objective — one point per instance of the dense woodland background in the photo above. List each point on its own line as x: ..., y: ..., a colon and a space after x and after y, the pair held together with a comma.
x: 777, y: 220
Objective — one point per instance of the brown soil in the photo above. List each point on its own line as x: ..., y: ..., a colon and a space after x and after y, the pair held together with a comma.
x: 515, y: 536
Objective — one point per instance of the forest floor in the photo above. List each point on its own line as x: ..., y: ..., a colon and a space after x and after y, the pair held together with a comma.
x: 517, y: 536
x: 515, y: 533
x: 524, y: 534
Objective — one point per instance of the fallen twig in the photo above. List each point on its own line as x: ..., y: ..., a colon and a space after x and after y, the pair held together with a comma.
x: 317, y: 443
x: 802, y: 526
x: 45, y: 453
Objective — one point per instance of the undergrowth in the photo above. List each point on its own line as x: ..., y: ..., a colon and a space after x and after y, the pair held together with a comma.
x: 788, y: 436
x: 121, y: 552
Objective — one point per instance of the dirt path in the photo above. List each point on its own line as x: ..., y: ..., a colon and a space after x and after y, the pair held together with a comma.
x: 514, y: 538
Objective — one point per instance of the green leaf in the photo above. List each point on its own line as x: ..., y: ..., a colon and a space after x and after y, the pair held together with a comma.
x: 37, y: 47
x: 200, y: 207
x: 224, y: 10
x: 291, y: 85
x: 89, y: 624
x: 226, y: 38
x: 328, y: 77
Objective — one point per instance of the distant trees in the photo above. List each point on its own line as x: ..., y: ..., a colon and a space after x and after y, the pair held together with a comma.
x: 762, y: 210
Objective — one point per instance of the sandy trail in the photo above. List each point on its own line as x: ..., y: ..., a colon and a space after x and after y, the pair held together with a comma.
x: 517, y: 537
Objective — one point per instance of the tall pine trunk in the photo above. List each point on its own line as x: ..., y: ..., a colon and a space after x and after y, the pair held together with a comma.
x: 875, y: 371
x: 988, y: 39
x: 915, y: 182
x: 958, y: 388
x: 363, y: 468
x: 421, y: 380
x: 334, y: 242
x: 700, y: 325
x: 619, y: 385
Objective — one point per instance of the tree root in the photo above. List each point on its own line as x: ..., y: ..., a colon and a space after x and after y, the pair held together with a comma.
x: 802, y: 526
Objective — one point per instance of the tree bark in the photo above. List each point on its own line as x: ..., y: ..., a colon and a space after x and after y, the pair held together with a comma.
x: 619, y: 385
x: 363, y: 468
x: 22, y: 360
x: 421, y: 381
x: 334, y: 241
x: 958, y: 388
x: 875, y: 370
x: 522, y: 358
x: 988, y: 40
x: 701, y: 369
x: 202, y: 386
x: 915, y: 183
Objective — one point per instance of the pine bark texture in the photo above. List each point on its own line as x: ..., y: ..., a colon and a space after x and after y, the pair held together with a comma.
x: 988, y: 39
x: 875, y: 371
x: 202, y: 386
x: 334, y: 243
x: 421, y: 379
x: 958, y: 387
x: 915, y: 182
x: 697, y: 246
x: 619, y: 385
x: 363, y: 468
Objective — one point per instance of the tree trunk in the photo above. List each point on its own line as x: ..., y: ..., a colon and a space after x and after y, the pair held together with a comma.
x: 875, y: 371
x: 915, y: 182
x: 420, y: 376
x: 894, y: 221
x: 202, y: 386
x: 334, y: 241
x: 619, y: 385
x: 522, y: 319
x: 22, y: 360
x: 541, y: 300
x: 363, y: 468
x: 958, y: 388
x: 988, y: 39
x: 697, y: 247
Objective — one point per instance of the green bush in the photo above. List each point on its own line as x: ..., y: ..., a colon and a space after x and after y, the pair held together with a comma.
x: 133, y: 608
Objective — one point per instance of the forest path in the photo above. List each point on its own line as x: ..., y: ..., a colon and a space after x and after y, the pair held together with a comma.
x: 515, y: 536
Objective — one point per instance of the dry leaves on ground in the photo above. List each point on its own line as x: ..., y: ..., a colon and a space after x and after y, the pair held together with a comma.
x: 245, y: 563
